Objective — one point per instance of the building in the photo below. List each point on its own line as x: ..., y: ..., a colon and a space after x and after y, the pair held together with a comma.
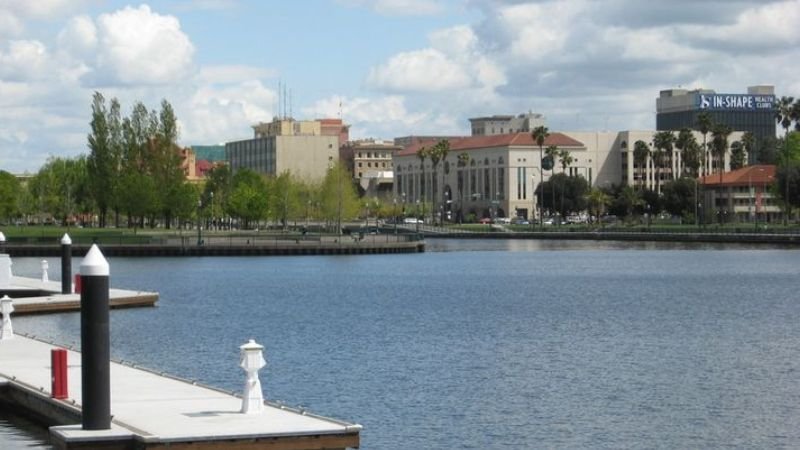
x: 498, y: 178
x: 740, y: 196
x: 753, y: 112
x: 370, y: 162
x: 299, y: 147
x: 493, y: 125
x: 405, y: 141
x: 644, y: 175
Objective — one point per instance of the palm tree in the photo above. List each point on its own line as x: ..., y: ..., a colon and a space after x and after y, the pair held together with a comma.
x: 640, y: 153
x: 719, y: 145
x: 551, y: 152
x: 435, y: 155
x: 539, y: 134
x: 442, y: 149
x: 749, y: 145
x: 566, y: 160
x: 598, y: 200
x: 737, y: 155
x: 704, y: 125
x: 785, y: 111
x: 662, y: 146
x: 684, y: 143
x: 422, y: 153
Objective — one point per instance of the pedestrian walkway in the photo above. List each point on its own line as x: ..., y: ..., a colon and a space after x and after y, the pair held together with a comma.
x: 151, y: 410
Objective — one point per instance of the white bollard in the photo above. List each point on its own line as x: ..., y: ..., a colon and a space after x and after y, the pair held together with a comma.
x: 6, y: 307
x: 252, y: 360
x: 45, y: 266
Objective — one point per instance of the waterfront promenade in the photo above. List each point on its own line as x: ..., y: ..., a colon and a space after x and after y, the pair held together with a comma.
x: 230, y: 245
x: 151, y: 410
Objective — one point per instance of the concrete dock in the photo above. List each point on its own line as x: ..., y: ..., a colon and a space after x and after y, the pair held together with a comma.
x: 153, y: 411
x: 32, y: 296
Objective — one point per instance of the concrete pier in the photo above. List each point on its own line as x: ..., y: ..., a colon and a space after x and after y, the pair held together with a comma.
x: 152, y: 411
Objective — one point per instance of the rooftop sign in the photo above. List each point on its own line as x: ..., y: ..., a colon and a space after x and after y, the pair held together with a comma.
x: 735, y: 102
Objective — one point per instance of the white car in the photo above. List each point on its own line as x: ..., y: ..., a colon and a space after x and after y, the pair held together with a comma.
x: 411, y: 220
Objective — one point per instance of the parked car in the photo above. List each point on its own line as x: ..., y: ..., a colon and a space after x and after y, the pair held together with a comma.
x: 485, y: 220
x: 502, y: 220
x: 411, y: 220
x: 520, y: 221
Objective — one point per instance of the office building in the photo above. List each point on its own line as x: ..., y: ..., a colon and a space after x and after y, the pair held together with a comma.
x: 753, y: 112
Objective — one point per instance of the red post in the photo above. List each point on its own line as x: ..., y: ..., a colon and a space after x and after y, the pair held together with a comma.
x: 58, y: 364
x: 77, y: 283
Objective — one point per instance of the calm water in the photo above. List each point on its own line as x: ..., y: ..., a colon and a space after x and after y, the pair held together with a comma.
x: 488, y: 344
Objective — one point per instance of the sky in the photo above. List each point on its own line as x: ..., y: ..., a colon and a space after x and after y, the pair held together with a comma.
x: 386, y: 67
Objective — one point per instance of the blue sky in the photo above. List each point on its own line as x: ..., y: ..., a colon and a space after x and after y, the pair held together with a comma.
x: 398, y: 67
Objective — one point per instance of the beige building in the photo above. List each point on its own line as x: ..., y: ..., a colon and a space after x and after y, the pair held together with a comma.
x: 304, y: 148
x: 501, y: 124
x: 498, y: 179
x: 370, y: 162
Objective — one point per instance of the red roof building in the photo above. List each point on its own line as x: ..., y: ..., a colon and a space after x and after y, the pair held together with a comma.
x: 740, y: 196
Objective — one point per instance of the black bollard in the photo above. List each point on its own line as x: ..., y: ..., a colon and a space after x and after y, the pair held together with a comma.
x: 95, y: 348
x: 66, y: 264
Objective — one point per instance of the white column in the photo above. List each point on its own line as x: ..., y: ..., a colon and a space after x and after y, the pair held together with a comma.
x: 252, y: 360
x: 6, y: 307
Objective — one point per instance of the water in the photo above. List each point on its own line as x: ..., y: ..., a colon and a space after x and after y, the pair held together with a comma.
x: 488, y: 344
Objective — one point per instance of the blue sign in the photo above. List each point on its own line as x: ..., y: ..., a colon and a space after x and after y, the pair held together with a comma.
x: 735, y: 102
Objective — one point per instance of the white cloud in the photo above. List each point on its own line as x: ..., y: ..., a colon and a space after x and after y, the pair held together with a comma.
x: 79, y: 37
x: 23, y: 60
x: 138, y: 46
x: 420, y: 70
x: 399, y: 7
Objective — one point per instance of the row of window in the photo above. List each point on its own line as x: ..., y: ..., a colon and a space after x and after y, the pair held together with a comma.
x: 369, y: 164
x: 384, y: 155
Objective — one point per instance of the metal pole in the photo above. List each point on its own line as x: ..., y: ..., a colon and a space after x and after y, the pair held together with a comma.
x: 66, y: 264
x: 95, y: 347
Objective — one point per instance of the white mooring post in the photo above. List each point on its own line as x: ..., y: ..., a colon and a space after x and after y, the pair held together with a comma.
x: 6, y: 307
x: 45, y: 266
x: 252, y: 360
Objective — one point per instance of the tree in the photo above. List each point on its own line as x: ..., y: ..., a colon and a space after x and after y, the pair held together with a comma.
x: 101, y: 168
x: 704, y: 125
x: 566, y: 159
x: 338, y: 196
x: 61, y: 188
x: 687, y: 144
x: 737, y: 155
x: 573, y: 192
x: 539, y: 135
x: 719, y: 145
x: 285, y: 201
x: 785, y: 111
x: 10, y: 193
x: 641, y: 151
x: 663, y: 142
x: 422, y: 153
x: 749, y: 145
x: 248, y: 199
x: 677, y: 197
x: 164, y: 162
x: 598, y: 201
x: 625, y: 202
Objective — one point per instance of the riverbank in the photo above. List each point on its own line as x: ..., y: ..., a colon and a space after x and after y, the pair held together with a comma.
x: 220, y: 245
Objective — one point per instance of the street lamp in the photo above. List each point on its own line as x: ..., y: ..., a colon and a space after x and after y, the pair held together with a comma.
x: 647, y: 214
x: 394, y: 213
x: 199, y: 223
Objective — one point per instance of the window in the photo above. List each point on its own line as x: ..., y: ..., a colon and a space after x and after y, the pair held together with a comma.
x: 359, y: 164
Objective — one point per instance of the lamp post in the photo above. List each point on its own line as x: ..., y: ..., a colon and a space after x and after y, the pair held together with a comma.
x: 647, y: 208
x: 416, y: 219
x: 213, y: 224
x: 533, y: 201
x: 199, y: 223
x: 394, y: 213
